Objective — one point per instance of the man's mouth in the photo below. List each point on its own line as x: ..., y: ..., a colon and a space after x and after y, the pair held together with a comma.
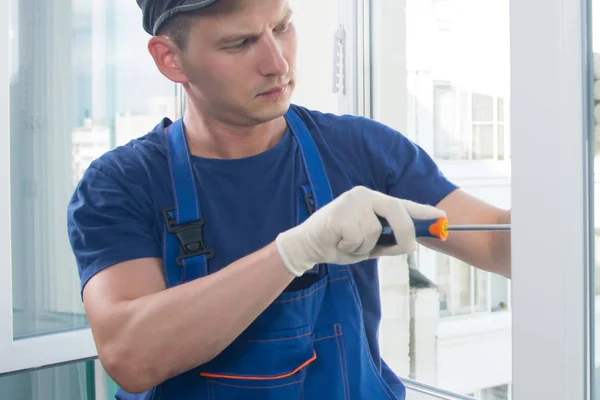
x: 275, y: 91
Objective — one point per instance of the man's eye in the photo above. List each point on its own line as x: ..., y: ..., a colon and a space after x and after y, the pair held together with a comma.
x: 283, y: 28
x: 239, y: 46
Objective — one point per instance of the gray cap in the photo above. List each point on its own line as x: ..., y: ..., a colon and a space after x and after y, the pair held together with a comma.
x: 156, y: 12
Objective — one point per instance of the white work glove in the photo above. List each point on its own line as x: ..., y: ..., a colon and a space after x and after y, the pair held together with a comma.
x: 346, y: 230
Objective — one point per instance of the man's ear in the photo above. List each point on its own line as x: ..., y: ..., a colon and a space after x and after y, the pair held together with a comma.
x: 166, y: 56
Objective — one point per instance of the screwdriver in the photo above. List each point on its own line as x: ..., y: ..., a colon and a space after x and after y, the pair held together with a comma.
x: 434, y: 228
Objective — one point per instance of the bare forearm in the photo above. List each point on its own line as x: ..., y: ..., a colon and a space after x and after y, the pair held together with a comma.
x: 174, y: 330
x: 487, y: 250
x: 500, y: 247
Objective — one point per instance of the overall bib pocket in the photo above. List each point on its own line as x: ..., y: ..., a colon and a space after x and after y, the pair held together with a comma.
x: 268, y: 365
x: 329, y: 344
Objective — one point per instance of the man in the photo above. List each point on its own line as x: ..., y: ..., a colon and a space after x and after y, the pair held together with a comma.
x: 232, y: 254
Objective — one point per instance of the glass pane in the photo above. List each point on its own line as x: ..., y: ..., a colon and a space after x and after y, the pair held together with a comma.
x: 462, y: 287
x: 499, y: 292
x: 483, y: 142
x: 441, y: 77
x: 448, y: 143
x: 495, y: 393
x: 442, y: 280
x: 81, y: 82
x: 501, y: 138
x: 66, y: 382
x: 481, y: 290
x: 483, y: 108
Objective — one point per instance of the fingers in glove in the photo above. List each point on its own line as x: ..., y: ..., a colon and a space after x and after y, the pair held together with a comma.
x: 400, y: 221
x: 359, y: 236
x: 351, y: 237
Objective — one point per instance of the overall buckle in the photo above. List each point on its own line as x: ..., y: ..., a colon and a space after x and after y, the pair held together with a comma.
x: 309, y: 202
x: 191, y: 243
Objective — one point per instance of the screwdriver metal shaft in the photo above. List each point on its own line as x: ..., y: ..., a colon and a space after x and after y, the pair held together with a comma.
x: 434, y: 228
x: 500, y: 227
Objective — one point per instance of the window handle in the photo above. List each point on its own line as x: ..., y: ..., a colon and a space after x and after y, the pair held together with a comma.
x: 339, y: 62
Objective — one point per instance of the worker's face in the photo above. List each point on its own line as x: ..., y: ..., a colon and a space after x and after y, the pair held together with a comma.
x: 240, y: 60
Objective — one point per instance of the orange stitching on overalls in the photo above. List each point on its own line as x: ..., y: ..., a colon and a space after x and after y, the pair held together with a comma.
x: 323, y: 338
x: 261, y: 378
x: 254, y: 387
x: 276, y: 340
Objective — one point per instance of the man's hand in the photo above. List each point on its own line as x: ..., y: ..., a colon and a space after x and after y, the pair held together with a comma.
x: 346, y: 230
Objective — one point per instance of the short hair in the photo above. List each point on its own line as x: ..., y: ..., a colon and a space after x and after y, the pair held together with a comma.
x: 177, y: 29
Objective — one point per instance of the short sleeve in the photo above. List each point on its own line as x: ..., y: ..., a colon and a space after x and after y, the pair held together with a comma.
x: 110, y: 220
x: 403, y: 169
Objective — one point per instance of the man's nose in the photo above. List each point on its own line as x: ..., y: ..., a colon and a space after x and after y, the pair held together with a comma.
x: 273, y: 61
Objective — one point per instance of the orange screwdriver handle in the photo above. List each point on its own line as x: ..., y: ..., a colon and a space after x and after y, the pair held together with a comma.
x: 433, y: 228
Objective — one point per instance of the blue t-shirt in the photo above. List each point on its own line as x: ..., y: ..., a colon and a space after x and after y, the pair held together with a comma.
x: 115, y: 212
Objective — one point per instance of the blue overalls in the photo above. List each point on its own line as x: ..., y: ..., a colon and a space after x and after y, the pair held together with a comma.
x: 308, y: 344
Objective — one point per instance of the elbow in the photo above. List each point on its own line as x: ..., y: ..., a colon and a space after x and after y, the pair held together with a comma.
x: 133, y: 372
x: 503, y: 270
x: 137, y: 371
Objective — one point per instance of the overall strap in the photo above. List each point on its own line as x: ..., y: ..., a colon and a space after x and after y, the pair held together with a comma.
x: 185, y: 254
x: 313, y: 164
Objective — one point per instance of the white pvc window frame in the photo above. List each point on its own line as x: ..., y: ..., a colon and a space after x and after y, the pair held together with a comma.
x: 552, y: 219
